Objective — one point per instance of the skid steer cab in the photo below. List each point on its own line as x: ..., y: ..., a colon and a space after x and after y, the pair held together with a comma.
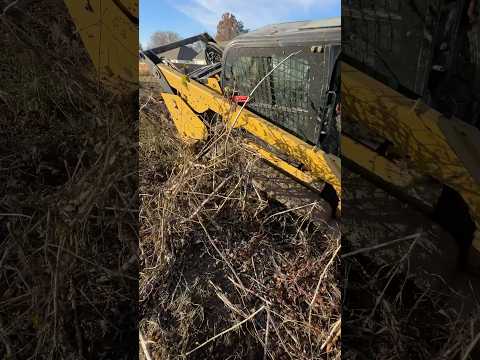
x: 280, y: 84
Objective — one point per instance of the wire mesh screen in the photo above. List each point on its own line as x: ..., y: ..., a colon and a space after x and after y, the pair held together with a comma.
x: 283, y: 97
x: 391, y: 39
x: 474, y: 53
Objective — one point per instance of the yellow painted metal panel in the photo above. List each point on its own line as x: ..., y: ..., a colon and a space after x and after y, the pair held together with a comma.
x: 189, y: 126
x: 281, y: 164
x: 375, y: 163
x: 110, y: 34
x: 423, y: 135
x: 213, y: 84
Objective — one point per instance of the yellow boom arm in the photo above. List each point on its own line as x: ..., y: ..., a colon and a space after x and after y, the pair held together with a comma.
x: 198, y: 98
x: 445, y: 149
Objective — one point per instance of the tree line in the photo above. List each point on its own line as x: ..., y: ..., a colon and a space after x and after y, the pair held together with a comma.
x: 227, y: 28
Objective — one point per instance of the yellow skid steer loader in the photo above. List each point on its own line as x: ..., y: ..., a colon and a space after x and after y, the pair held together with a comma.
x: 281, y: 84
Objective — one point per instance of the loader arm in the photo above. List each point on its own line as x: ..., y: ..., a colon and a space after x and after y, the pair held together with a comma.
x: 445, y: 149
x: 199, y: 98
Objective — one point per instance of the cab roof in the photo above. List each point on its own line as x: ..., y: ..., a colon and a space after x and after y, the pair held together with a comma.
x: 289, y: 33
x: 294, y: 27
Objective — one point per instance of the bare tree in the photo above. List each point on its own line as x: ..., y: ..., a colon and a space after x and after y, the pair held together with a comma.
x: 228, y: 27
x: 160, y: 38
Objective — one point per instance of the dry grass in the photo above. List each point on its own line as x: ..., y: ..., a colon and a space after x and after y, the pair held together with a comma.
x: 218, y: 257
x: 68, y: 175
x: 401, y: 299
x: 213, y: 258
x: 387, y: 314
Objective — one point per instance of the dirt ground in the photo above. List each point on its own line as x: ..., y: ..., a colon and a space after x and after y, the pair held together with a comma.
x: 215, y: 252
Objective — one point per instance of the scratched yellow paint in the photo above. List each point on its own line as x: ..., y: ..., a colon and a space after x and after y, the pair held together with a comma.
x: 189, y: 126
x: 110, y: 37
x: 419, y: 132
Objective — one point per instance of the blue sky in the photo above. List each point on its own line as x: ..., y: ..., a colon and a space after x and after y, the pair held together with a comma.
x: 191, y: 17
